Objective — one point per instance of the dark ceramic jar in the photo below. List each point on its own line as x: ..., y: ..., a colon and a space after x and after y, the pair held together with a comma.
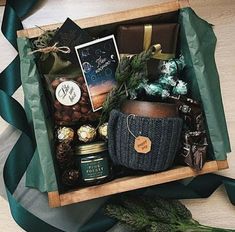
x: 93, y: 163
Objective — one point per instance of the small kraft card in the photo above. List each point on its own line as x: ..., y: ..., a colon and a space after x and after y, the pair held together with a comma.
x: 70, y: 35
x: 99, y: 60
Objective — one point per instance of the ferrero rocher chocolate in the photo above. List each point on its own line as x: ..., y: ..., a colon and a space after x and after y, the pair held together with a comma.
x: 103, y: 131
x: 86, y: 133
x: 65, y: 134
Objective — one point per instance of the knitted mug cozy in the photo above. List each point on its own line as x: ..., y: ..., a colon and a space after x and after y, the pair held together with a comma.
x: 164, y: 134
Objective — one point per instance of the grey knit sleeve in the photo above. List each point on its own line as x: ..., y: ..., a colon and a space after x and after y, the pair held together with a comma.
x: 163, y: 132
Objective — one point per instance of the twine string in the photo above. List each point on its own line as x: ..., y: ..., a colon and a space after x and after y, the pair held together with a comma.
x: 127, y: 124
x: 40, y: 43
x: 54, y: 48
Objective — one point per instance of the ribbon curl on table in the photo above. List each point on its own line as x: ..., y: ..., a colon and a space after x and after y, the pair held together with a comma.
x: 12, y: 112
x: 22, y: 153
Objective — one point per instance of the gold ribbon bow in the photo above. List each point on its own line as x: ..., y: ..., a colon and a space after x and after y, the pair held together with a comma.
x: 147, y: 43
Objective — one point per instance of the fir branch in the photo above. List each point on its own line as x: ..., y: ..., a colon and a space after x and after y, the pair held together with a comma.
x: 123, y: 70
x: 134, y: 220
x: 163, y: 204
x: 139, y: 61
x: 129, y: 74
x: 160, y: 227
x: 113, y: 100
x: 180, y: 210
x: 135, y: 80
x: 151, y: 214
x: 163, y: 215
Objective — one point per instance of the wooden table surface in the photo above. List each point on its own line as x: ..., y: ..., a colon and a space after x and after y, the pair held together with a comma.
x: 215, y: 210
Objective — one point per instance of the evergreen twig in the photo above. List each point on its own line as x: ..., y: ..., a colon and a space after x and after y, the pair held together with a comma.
x: 147, y: 214
x: 129, y: 74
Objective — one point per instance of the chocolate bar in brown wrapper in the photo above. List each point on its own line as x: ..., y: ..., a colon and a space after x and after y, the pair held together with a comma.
x: 133, y: 39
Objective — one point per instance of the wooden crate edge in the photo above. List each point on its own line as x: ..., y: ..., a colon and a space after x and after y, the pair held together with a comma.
x: 129, y: 183
x: 54, y: 199
x: 222, y: 164
x: 112, y: 17
x: 2, y: 2
x: 184, y: 3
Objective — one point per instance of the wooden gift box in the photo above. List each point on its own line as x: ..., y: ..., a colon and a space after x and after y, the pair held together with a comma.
x: 105, y: 23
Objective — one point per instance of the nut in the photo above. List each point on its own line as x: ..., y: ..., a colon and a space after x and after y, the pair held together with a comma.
x: 85, y: 95
x: 57, y: 105
x: 84, y: 109
x: 80, y: 80
x: 84, y: 101
x: 58, y: 116
x: 66, y: 118
x: 77, y: 107
x: 76, y: 116
x: 84, y: 88
x: 55, y: 83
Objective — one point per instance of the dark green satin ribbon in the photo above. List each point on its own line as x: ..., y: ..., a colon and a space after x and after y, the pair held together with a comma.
x: 21, y: 154
x: 13, y: 113
x: 10, y: 77
x: 9, y: 109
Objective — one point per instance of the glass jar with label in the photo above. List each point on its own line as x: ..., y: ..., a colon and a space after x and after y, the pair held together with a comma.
x: 93, y: 163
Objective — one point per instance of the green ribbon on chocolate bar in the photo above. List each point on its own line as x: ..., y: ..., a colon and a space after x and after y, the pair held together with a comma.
x: 23, y: 151
x: 147, y: 43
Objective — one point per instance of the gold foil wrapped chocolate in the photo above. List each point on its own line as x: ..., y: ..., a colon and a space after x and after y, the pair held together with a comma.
x: 86, y: 133
x: 65, y: 134
x: 103, y: 130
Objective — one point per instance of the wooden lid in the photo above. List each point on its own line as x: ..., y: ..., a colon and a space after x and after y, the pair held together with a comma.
x: 149, y: 109
x: 114, y: 17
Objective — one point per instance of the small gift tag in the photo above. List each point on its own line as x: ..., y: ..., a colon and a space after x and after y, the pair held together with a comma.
x: 142, y: 144
x: 68, y: 93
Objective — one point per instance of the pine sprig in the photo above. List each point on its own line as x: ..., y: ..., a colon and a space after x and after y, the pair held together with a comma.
x: 151, y: 214
x: 135, y: 79
x: 113, y: 100
x: 130, y: 72
x: 160, y: 227
x: 138, y: 62
x: 122, y: 214
x: 123, y: 70
x: 180, y: 210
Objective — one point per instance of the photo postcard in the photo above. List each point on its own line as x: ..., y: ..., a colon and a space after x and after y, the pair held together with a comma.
x: 99, y: 60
